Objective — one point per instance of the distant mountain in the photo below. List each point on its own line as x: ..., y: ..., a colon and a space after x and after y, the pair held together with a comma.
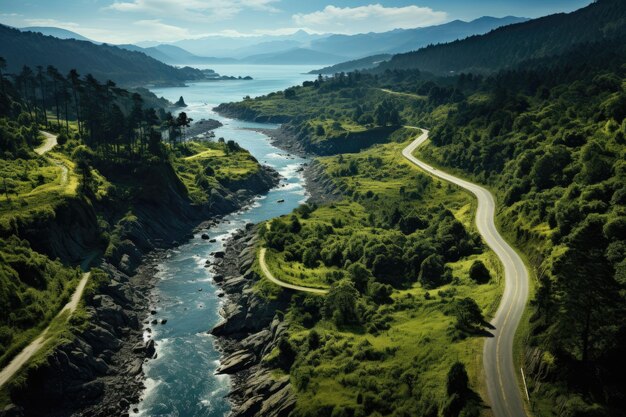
x: 104, y: 62
x: 326, y: 49
x: 173, y: 55
x: 151, y: 52
x: 242, y: 46
x: 182, y: 56
x: 404, y: 40
x: 297, y: 56
x: 270, y: 47
x: 56, y: 32
x: 357, y: 64
x: 507, y: 46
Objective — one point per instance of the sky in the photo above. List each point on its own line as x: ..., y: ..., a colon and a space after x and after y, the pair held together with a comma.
x: 131, y: 21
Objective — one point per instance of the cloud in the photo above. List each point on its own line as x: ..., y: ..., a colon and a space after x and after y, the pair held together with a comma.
x: 192, y: 10
x: 52, y: 22
x: 161, y: 32
x: 370, y: 18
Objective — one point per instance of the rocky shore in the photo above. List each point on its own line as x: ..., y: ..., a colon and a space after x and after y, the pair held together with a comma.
x: 285, y: 139
x: 203, y: 128
x: 252, y: 327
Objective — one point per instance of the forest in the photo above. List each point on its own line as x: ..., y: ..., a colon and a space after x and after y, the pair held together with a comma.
x: 508, y: 46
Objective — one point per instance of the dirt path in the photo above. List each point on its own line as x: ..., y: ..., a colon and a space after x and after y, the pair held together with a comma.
x: 283, y: 284
x: 49, y: 143
x: 34, y: 347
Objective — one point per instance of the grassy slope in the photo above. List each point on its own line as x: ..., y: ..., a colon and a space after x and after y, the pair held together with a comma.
x: 226, y: 166
x: 420, y: 332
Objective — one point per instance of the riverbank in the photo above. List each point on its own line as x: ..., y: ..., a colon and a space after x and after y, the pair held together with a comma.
x: 285, y: 139
x: 253, y: 324
x: 252, y: 327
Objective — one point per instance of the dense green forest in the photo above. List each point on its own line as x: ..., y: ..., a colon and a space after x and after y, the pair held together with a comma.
x: 104, y: 61
x: 550, y: 141
x: 510, y: 45
x: 548, y: 137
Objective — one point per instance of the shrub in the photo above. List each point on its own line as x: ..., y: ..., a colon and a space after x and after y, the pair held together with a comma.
x: 479, y: 272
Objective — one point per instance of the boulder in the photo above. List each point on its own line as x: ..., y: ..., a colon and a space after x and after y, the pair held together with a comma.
x: 236, y: 362
x: 280, y: 404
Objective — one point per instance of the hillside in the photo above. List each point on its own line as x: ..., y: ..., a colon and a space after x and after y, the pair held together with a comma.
x: 88, y: 197
x: 56, y: 32
x: 547, y: 138
x: 357, y: 64
x: 174, y: 55
x: 104, y: 62
x: 510, y: 45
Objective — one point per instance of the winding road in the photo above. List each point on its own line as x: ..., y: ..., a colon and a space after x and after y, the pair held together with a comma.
x: 33, y: 347
x: 502, y: 382
x: 503, y: 388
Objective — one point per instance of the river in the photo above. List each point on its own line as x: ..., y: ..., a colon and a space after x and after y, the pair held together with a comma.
x: 181, y: 380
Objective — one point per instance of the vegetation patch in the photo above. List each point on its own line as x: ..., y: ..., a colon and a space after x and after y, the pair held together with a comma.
x: 410, y: 287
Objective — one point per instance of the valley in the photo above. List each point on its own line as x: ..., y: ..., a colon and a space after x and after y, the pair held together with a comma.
x: 425, y: 220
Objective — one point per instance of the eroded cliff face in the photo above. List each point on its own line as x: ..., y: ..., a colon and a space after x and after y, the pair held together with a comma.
x: 251, y: 329
x: 99, y: 371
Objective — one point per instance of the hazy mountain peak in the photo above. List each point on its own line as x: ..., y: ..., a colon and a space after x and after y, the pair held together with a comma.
x: 56, y: 32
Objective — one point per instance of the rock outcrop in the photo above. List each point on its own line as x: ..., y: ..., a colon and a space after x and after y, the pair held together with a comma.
x: 252, y: 328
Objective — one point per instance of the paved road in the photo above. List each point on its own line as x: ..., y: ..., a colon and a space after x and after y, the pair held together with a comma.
x: 502, y: 382
x: 28, y: 352
x: 283, y: 284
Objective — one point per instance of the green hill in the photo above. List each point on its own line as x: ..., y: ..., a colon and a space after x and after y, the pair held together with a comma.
x: 104, y: 62
x: 508, y: 46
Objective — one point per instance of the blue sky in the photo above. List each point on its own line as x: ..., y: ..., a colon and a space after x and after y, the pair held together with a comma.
x: 123, y: 21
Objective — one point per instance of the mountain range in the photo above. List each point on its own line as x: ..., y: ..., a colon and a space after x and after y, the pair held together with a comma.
x: 301, y: 47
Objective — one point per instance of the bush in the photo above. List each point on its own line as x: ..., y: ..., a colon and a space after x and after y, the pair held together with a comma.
x: 468, y: 314
x: 340, y: 303
x: 479, y: 272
